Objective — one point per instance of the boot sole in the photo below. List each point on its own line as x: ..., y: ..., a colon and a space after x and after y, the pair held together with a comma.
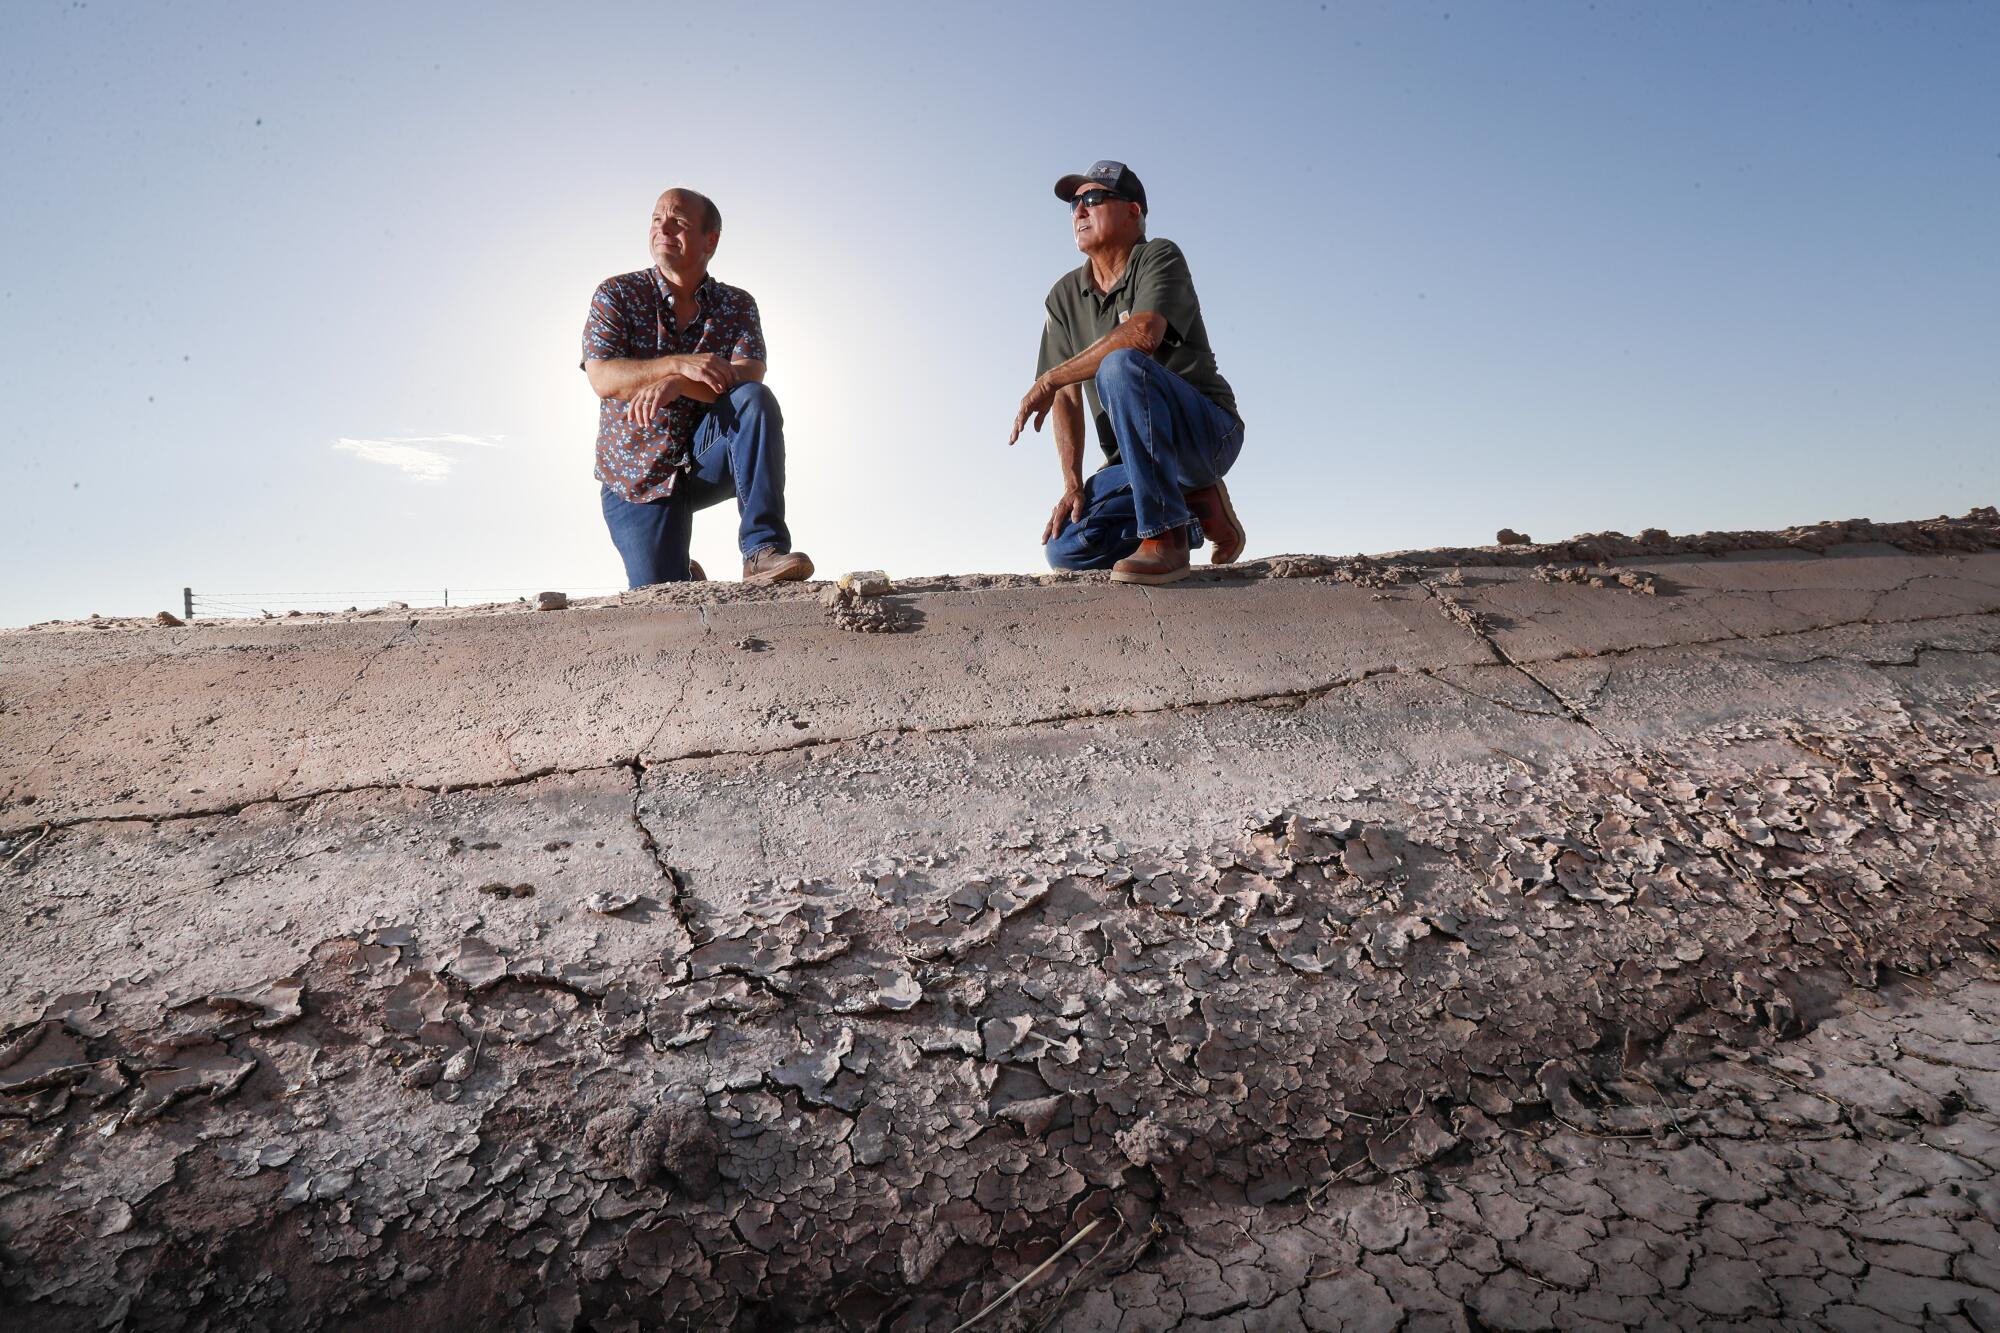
x: 1151, y: 580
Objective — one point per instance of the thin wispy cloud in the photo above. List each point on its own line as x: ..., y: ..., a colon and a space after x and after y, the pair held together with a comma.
x: 420, y: 457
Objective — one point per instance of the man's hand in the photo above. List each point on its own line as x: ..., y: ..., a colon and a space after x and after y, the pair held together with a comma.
x: 647, y: 402
x: 1037, y: 403
x: 1068, y: 510
x: 707, y: 372
x: 711, y: 370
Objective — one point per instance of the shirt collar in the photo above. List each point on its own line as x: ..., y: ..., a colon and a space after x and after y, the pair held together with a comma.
x: 702, y: 292
x: 1089, y: 288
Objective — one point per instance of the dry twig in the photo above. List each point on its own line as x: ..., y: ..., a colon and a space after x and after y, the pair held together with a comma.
x: 1033, y: 1273
x: 32, y: 844
x: 1055, y: 1306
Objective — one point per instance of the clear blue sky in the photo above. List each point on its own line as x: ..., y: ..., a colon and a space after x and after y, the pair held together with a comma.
x: 1556, y: 266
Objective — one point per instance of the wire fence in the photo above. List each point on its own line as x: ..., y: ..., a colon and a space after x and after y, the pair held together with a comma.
x: 266, y: 605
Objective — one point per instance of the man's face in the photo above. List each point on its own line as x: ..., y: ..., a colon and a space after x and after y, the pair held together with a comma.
x: 1110, y: 223
x: 676, y: 238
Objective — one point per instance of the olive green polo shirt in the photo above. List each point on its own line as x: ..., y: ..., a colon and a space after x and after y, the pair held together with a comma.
x: 1156, y: 279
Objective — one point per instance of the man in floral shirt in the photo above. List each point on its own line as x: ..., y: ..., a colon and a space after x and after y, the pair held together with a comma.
x: 685, y: 421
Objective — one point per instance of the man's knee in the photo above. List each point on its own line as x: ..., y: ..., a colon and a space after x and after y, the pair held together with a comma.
x: 1087, y: 545
x: 1064, y: 551
x: 1123, y: 371
x: 752, y: 396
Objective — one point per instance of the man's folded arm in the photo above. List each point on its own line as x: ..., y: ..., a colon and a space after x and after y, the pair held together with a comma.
x: 746, y: 370
x: 1143, y: 332
x: 623, y: 377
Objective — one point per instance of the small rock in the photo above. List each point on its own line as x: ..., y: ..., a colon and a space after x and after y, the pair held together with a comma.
x: 114, y: 1217
x: 396, y: 606
x: 168, y: 618
x: 867, y: 583
x: 608, y: 901
x: 1509, y: 537
x: 551, y: 601
x: 423, y: 1074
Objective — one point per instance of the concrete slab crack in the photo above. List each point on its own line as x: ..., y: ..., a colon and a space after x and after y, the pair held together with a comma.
x: 1680, y: 644
x: 1473, y: 626
x: 678, y: 901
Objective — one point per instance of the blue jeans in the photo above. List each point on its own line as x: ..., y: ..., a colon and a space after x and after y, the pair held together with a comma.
x: 739, y: 451
x: 1171, y: 440
x: 1109, y: 528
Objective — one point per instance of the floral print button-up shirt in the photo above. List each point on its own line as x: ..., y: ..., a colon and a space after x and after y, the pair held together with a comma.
x: 632, y: 315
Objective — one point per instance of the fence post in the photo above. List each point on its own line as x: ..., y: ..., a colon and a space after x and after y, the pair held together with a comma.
x: 187, y: 603
x: 447, y: 597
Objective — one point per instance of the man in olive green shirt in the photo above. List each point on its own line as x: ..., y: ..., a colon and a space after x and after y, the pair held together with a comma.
x: 1125, y: 330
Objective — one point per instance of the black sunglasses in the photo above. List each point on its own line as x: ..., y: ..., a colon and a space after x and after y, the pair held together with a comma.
x: 1092, y: 198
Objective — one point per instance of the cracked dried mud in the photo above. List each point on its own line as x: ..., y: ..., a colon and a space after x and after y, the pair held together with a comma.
x: 1449, y: 940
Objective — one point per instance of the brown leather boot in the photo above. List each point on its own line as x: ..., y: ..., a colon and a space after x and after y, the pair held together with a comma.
x: 771, y: 565
x: 1161, y: 559
x: 696, y: 574
x: 1210, y: 505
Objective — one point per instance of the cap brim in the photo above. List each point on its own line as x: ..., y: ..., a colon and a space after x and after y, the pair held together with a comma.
x: 1066, y: 187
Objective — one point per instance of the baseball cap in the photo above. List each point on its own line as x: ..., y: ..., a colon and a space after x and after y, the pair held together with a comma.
x: 1107, y: 175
